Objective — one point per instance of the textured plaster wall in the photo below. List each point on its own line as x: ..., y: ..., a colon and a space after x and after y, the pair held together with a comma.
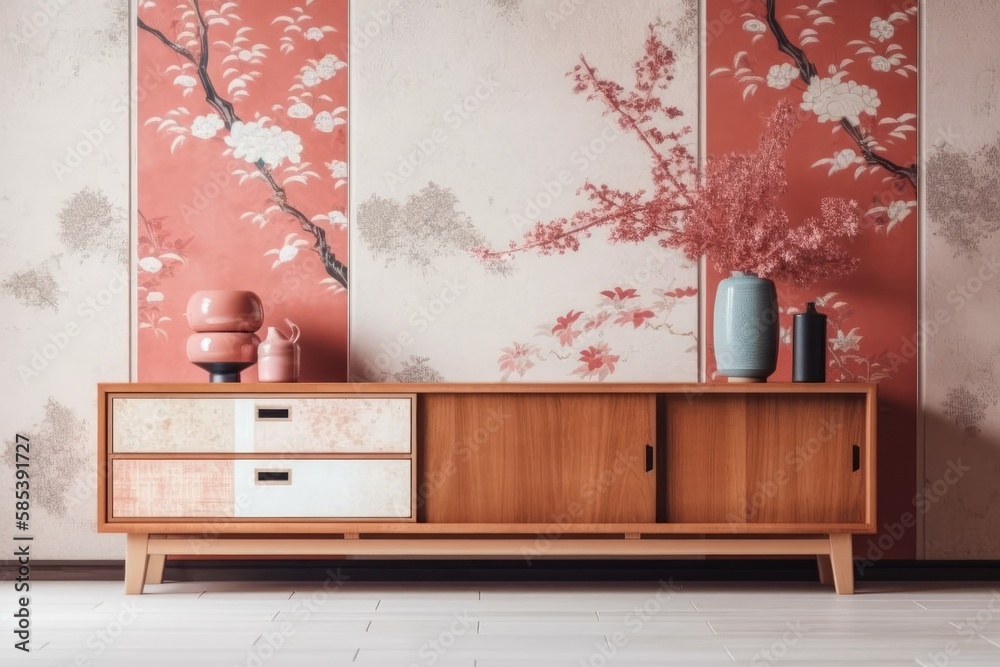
x: 64, y: 284
x: 962, y: 280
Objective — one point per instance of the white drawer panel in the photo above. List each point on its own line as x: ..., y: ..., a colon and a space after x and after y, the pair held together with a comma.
x: 261, y: 424
x: 167, y: 425
x: 366, y: 424
x: 336, y: 489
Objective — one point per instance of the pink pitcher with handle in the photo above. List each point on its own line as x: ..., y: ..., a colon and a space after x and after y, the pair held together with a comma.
x: 278, y: 355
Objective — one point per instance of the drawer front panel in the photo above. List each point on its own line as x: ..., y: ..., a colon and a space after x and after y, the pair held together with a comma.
x: 336, y: 489
x: 364, y: 425
x: 262, y: 424
x: 172, y: 489
x: 166, y: 425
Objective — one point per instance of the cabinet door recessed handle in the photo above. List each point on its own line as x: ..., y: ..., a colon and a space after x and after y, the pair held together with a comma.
x: 650, y: 459
x: 855, y: 458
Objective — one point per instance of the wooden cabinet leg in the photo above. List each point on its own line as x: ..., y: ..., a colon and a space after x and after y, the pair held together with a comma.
x: 842, y: 562
x: 825, y: 569
x: 154, y: 572
x: 136, y: 562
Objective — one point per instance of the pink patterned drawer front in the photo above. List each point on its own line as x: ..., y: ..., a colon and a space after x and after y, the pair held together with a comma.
x: 172, y: 489
x: 361, y: 425
x: 262, y: 424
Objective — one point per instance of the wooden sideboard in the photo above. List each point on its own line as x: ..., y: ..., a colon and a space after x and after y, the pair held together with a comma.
x: 475, y: 470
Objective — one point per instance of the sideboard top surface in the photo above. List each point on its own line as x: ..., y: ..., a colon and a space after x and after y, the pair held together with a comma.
x: 488, y: 388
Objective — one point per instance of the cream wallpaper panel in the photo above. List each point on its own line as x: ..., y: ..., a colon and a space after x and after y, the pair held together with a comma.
x: 64, y: 281
x: 961, y: 496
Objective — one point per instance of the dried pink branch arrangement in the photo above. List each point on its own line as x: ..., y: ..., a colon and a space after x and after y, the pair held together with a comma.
x: 736, y: 219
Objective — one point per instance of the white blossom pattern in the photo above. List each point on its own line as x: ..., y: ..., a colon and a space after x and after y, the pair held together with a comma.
x: 324, y: 121
x: 254, y: 142
x: 150, y: 264
x: 338, y: 168
x: 300, y: 110
x: 898, y: 211
x: 206, y: 127
x: 881, y: 29
x: 781, y: 76
x: 846, y: 342
x: 288, y: 251
x: 881, y: 64
x: 327, y: 67
x: 833, y: 100
x: 754, y: 26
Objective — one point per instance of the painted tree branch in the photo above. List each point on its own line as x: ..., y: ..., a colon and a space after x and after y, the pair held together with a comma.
x: 625, y: 116
x: 630, y: 216
x: 334, y: 267
x: 807, y: 71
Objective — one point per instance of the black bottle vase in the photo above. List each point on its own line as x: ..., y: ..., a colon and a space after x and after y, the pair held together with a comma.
x: 809, y: 346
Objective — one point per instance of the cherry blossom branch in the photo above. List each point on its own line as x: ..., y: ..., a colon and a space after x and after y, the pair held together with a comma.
x: 496, y: 254
x: 615, y: 106
x: 573, y: 231
x: 807, y: 71
x: 334, y: 267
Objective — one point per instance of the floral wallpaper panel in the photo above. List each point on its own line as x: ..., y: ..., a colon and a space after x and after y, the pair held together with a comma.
x: 507, y: 188
x: 851, y: 70
x: 242, y: 172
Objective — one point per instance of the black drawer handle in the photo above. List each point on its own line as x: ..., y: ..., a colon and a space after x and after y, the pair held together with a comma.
x: 273, y: 476
x: 273, y: 414
x: 856, y: 458
x: 649, y: 458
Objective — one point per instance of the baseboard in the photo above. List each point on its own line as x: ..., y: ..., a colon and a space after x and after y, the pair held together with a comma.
x: 509, y: 570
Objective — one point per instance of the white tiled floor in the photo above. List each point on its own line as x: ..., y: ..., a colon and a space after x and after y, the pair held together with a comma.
x: 89, y: 624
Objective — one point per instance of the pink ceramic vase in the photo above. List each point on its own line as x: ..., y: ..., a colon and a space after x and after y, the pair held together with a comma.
x: 223, y: 353
x: 225, y: 310
x: 278, y: 356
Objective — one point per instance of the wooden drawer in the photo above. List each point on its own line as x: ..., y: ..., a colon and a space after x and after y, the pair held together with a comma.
x: 262, y: 424
x: 254, y: 488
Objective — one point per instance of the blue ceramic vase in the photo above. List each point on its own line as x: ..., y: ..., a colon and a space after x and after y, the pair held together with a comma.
x: 746, y: 328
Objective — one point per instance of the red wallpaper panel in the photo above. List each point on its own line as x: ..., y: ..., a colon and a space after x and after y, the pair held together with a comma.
x: 248, y: 196
x: 863, y: 99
